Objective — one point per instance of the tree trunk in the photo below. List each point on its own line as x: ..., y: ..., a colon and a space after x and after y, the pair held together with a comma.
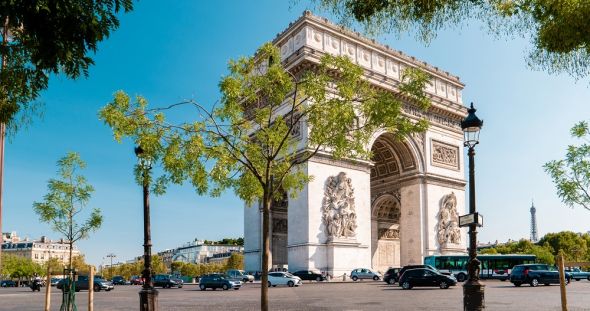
x: 265, y: 251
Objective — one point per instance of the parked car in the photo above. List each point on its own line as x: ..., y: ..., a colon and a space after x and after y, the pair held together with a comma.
x: 83, y: 284
x: 283, y: 278
x: 239, y: 275
x: 215, y: 281
x: 425, y: 277
x: 309, y: 275
x: 364, y: 273
x: 54, y: 281
x: 166, y: 281
x: 7, y: 283
x: 119, y: 280
x: 136, y: 280
x: 535, y: 274
x: 391, y: 276
x: 578, y: 274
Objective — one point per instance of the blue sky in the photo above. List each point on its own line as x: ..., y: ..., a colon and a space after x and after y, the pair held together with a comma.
x: 180, y: 50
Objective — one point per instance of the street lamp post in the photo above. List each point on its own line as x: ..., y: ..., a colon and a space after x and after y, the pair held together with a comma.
x: 148, y: 296
x: 473, y: 289
x: 111, y: 255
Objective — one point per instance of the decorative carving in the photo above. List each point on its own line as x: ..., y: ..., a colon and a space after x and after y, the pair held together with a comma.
x: 279, y: 225
x: 388, y: 234
x: 445, y: 155
x: 448, y: 231
x: 338, y: 210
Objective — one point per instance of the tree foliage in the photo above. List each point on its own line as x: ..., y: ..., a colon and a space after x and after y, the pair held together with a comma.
x: 543, y: 253
x: 575, y: 247
x: 249, y: 142
x: 571, y: 175
x: 18, y: 267
x: 557, y: 29
x: 66, y: 198
x: 49, y: 37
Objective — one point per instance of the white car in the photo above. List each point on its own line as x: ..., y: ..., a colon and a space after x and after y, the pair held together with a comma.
x: 283, y: 278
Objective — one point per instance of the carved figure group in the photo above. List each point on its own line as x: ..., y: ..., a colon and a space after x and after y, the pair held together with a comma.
x: 338, y: 211
x: 448, y: 230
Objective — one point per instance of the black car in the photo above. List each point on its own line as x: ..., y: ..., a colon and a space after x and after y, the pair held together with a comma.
x: 166, y: 281
x: 7, y: 283
x: 309, y: 275
x: 215, y: 281
x: 119, y: 280
x: 391, y: 276
x: 425, y: 277
x: 402, y: 270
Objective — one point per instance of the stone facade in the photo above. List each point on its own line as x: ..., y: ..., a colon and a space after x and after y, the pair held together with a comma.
x: 391, y: 211
x: 40, y: 251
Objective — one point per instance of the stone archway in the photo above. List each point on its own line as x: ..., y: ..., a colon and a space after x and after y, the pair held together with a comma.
x: 385, y: 224
x: 279, y: 231
x: 394, y: 166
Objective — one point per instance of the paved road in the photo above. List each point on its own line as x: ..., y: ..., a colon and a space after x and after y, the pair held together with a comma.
x: 317, y: 296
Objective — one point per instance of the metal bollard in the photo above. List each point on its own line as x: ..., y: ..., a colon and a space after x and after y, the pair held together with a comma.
x: 344, y: 277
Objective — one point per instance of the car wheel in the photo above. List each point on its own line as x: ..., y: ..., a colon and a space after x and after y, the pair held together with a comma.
x: 319, y: 279
x: 547, y: 284
x: 577, y: 279
x: 406, y: 285
x: 355, y: 278
x: 443, y: 285
x: 589, y: 278
x: 391, y: 281
x: 96, y: 288
x: 534, y: 282
x: 236, y: 288
x: 517, y: 284
x: 269, y: 284
x: 202, y: 287
x: 290, y: 284
x: 213, y: 288
x: 375, y: 278
x: 225, y: 287
x: 179, y: 286
x: 461, y: 277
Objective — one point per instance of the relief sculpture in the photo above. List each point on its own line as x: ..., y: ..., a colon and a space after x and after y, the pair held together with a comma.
x: 338, y: 210
x: 448, y: 230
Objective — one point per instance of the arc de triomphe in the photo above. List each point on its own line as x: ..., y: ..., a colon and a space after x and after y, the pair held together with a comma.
x: 391, y: 211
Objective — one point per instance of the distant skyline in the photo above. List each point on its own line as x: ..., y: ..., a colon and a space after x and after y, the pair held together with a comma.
x: 180, y: 50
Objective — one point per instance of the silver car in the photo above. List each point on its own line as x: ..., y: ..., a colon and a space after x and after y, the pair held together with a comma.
x: 364, y: 273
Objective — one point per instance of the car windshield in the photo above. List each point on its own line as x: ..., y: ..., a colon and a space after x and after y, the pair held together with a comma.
x: 287, y: 274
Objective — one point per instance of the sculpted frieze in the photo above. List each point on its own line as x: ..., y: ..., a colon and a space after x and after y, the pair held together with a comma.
x: 448, y: 231
x: 445, y: 155
x: 338, y: 209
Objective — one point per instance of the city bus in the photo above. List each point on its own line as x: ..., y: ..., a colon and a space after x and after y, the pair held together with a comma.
x: 491, y: 267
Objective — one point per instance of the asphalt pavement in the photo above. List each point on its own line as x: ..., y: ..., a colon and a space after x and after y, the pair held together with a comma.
x: 365, y: 295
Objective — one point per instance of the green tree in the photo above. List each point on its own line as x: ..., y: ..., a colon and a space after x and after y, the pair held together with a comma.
x: 573, y: 245
x: 235, y: 261
x: 46, y: 37
x: 55, y: 265
x: 66, y: 199
x: 247, y: 143
x: 571, y: 175
x: 555, y: 28
x: 543, y: 253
